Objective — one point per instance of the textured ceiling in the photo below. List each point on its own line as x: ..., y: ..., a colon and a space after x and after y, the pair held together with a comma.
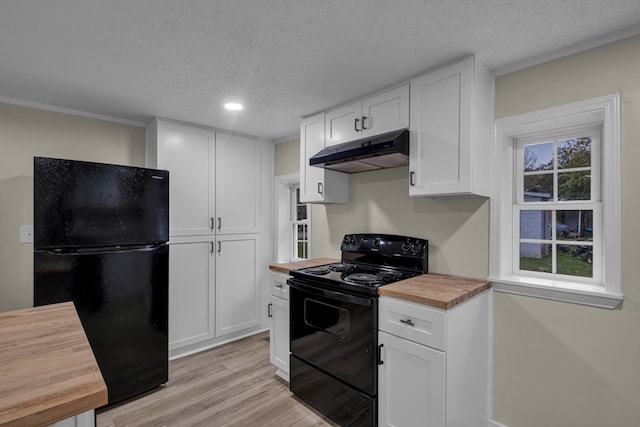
x: 284, y: 59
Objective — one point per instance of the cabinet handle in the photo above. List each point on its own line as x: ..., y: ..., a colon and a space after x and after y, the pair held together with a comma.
x: 320, y: 188
x: 219, y: 246
x: 269, y: 308
x: 211, y: 250
x: 407, y: 322
x: 380, y: 361
x: 411, y: 175
x: 363, y: 119
x: 278, y: 285
x: 219, y: 223
x: 355, y: 125
x: 211, y: 224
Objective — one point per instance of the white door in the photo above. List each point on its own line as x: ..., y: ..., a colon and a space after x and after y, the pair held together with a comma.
x: 411, y: 384
x: 237, y: 286
x: 237, y: 184
x: 279, y: 338
x: 191, y: 295
x: 343, y: 124
x: 311, y: 141
x: 188, y: 154
x: 439, y: 151
x: 385, y: 112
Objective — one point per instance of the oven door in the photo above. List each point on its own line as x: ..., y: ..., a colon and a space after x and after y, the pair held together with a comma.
x: 336, y: 333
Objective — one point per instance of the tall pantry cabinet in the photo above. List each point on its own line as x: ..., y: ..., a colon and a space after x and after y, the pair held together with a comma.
x: 218, y: 200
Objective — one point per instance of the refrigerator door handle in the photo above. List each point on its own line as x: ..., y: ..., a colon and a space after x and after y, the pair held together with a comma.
x: 99, y: 250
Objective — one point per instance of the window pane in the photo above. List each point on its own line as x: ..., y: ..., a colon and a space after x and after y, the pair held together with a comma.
x: 534, y: 225
x: 574, y: 225
x: 574, y: 185
x: 536, y: 257
x: 574, y: 153
x: 538, y: 157
x: 301, y: 212
x: 538, y: 188
x: 575, y: 260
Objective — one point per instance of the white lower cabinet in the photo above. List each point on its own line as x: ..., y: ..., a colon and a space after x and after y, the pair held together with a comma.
x: 434, y: 364
x: 214, y: 290
x: 85, y: 419
x: 411, y: 383
x: 237, y: 286
x: 191, y: 295
x: 279, y: 331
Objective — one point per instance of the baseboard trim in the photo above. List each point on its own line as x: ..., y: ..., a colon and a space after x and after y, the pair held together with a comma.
x: 493, y: 423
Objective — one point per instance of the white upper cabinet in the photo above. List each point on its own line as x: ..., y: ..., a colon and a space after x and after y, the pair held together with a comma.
x: 237, y: 173
x: 318, y: 185
x: 188, y: 153
x: 214, y: 179
x: 377, y: 114
x: 451, y: 147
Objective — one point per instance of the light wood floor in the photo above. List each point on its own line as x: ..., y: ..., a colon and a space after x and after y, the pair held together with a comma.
x: 231, y: 385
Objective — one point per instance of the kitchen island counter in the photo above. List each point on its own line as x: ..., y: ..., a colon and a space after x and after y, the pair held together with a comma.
x: 435, y: 290
x: 47, y: 370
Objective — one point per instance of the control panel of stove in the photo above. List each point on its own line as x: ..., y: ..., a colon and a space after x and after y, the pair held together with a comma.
x: 384, y: 244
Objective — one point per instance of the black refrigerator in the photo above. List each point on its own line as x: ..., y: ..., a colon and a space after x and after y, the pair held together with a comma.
x: 101, y: 240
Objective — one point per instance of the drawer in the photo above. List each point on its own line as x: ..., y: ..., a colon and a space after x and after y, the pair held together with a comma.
x: 278, y: 286
x: 415, y: 322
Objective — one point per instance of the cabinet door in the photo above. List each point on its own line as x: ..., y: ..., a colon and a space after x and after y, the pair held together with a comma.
x: 190, y: 292
x: 411, y: 384
x: 237, y: 287
x: 440, y: 140
x: 343, y: 124
x: 279, y: 338
x: 237, y: 172
x: 187, y: 154
x: 318, y: 185
x: 385, y: 112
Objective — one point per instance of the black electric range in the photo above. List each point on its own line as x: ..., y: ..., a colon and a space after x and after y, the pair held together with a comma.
x: 334, y: 322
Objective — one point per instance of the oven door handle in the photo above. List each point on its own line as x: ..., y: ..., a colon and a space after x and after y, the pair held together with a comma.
x: 339, y: 296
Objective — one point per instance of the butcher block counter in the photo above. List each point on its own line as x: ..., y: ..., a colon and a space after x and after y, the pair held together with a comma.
x: 47, y: 369
x: 288, y: 266
x: 436, y: 290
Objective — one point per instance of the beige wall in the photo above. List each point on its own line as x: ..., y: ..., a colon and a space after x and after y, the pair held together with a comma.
x: 559, y: 364
x: 287, y: 157
x: 379, y: 202
x: 25, y: 133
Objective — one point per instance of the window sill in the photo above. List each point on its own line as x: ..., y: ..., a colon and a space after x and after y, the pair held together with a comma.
x: 590, y: 295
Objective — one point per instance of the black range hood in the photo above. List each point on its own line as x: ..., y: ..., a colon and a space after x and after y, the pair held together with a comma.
x: 388, y: 150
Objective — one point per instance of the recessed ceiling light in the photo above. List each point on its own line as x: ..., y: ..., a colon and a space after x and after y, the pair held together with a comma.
x: 234, y: 106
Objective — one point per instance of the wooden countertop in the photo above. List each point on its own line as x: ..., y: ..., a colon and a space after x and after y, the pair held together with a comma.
x: 47, y: 369
x: 288, y: 266
x: 436, y: 290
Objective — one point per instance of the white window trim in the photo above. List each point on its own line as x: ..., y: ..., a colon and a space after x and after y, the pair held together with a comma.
x: 293, y: 223
x: 604, y: 110
x: 282, y: 218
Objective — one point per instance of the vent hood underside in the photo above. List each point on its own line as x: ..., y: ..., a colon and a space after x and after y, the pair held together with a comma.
x: 389, y: 150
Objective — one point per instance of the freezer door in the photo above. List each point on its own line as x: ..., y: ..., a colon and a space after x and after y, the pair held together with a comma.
x: 86, y: 204
x: 122, y: 301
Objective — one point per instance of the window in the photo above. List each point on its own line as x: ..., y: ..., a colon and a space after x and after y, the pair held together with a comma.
x: 555, y: 220
x: 557, y: 202
x: 292, y: 220
x: 299, y: 225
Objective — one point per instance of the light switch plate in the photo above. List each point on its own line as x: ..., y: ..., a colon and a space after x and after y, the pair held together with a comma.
x: 26, y: 234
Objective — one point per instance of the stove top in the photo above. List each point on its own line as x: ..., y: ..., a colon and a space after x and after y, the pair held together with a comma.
x: 368, y: 262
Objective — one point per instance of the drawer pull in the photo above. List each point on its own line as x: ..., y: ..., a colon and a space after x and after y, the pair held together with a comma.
x: 407, y: 322
x: 279, y: 285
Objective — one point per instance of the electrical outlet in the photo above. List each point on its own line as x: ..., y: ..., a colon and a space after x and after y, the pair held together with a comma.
x: 26, y: 234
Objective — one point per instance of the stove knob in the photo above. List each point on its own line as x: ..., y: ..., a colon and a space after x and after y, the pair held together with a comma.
x: 406, y: 246
x: 376, y: 242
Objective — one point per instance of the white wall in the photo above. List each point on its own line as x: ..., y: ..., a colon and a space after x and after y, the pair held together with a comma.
x: 28, y: 132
